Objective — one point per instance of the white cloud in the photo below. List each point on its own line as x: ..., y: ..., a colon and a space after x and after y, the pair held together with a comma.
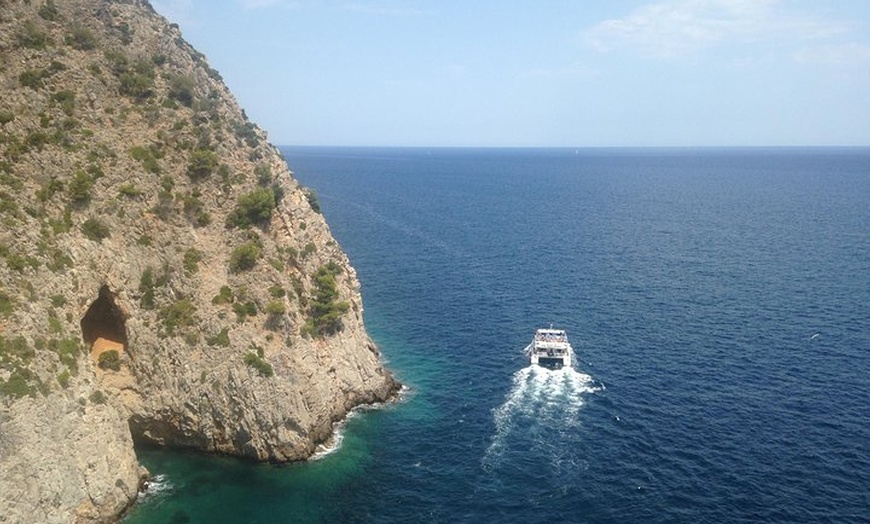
x: 260, y: 4
x: 676, y: 27
x: 374, y: 8
x: 834, y: 54
x: 257, y: 4
x: 384, y: 10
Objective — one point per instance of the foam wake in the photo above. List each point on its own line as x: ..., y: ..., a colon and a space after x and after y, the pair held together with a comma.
x: 541, y: 409
x: 155, y: 486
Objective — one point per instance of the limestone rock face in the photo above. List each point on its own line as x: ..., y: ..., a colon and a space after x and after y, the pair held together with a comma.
x: 163, y: 277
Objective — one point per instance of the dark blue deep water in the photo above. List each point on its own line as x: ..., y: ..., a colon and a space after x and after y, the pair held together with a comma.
x: 719, y: 302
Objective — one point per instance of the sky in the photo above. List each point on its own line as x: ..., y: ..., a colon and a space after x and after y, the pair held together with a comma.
x: 576, y: 73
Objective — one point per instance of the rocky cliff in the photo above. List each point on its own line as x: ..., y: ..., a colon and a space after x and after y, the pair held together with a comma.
x: 163, y: 277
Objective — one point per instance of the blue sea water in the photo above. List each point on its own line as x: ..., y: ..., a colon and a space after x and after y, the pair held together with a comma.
x: 718, y: 301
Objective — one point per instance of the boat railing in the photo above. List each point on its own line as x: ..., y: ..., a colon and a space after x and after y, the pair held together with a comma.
x: 551, y: 350
x: 563, y: 339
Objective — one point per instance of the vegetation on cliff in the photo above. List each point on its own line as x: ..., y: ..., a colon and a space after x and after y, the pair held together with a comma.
x: 326, y: 309
x: 163, y: 277
x: 96, y: 122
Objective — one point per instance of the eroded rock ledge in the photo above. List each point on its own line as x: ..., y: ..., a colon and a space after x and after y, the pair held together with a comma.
x: 163, y: 277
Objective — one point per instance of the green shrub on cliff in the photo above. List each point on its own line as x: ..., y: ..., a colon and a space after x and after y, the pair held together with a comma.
x: 95, y: 230
x: 58, y: 300
x: 33, y: 78
x: 136, y: 81
x: 243, y: 310
x: 325, y: 312
x: 202, y: 164
x: 15, y: 356
x: 32, y: 37
x: 79, y: 190
x: 49, y: 11
x: 15, y: 350
x: 148, y: 157
x: 146, y: 287
x: 276, y: 308
x: 63, y: 378
x: 263, y: 172
x: 221, y: 339
x: 179, y: 314
x: 66, y: 100
x: 68, y: 350
x: 224, y: 296
x: 21, y: 382
x: 311, y: 196
x: 195, y: 210
x: 129, y: 190
x: 165, y: 205
x: 58, y: 259
x: 109, y: 360
x: 81, y: 38
x: 18, y: 262
x: 244, y: 257
x: 246, y: 131
x: 98, y: 397
x: 255, y: 207
x: 192, y: 258
x: 259, y: 363
x: 181, y: 89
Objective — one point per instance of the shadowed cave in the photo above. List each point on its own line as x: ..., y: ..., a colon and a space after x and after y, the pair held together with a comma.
x: 104, y: 322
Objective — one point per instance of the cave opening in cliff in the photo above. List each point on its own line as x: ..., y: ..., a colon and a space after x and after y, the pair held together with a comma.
x: 103, y: 326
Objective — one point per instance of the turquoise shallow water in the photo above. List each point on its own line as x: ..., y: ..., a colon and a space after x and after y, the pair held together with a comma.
x: 719, y: 302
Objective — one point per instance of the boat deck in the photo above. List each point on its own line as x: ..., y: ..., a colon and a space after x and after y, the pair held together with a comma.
x: 550, y: 348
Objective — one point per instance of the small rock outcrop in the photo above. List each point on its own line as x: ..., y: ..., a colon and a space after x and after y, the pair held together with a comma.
x: 163, y: 277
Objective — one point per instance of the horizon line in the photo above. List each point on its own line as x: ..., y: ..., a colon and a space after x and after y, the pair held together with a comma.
x: 587, y: 147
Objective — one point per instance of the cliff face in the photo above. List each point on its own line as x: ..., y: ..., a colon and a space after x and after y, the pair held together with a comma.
x: 163, y: 277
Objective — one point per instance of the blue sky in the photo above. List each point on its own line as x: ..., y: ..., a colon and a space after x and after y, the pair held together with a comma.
x: 542, y: 73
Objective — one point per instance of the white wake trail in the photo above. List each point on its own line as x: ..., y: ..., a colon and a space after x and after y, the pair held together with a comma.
x: 542, y: 402
x: 522, y: 395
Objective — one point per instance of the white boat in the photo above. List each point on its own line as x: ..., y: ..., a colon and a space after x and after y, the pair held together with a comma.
x: 550, y: 349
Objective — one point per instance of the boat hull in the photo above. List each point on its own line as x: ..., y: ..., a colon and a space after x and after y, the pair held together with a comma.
x: 550, y: 349
x: 553, y: 362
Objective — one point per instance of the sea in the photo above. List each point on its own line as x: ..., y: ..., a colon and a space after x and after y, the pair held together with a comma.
x: 718, y: 301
